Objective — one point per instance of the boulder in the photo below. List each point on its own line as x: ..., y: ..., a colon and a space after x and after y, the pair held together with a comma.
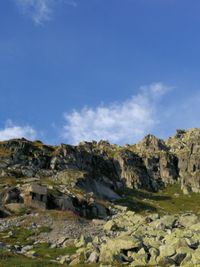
x: 64, y: 259
x: 15, y: 207
x: 93, y: 258
x: 167, y: 251
x: 196, y: 257
x: 188, y: 220
x: 140, y: 258
x: 154, y: 253
x: 83, y: 241
x: 114, y: 246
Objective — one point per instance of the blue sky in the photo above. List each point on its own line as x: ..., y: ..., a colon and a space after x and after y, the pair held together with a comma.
x: 98, y: 69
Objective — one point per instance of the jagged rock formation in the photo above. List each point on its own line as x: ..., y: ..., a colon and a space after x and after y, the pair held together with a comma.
x: 95, y: 180
x: 160, y: 163
x: 186, y: 146
x: 80, y: 177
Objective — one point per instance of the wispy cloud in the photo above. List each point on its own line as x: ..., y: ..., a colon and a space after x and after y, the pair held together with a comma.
x: 125, y: 122
x: 41, y: 11
x: 15, y: 131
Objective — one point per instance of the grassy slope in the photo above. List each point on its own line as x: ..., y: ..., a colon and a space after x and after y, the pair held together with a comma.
x: 45, y: 255
x: 9, y: 260
x: 170, y: 200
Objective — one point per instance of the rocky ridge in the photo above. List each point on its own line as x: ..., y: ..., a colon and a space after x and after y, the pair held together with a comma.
x: 80, y: 177
x: 83, y: 202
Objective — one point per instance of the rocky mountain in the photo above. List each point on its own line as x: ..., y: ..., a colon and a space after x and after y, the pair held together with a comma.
x: 99, y: 203
x: 81, y: 177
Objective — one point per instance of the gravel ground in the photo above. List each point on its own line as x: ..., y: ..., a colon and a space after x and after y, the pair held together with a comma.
x: 63, y: 225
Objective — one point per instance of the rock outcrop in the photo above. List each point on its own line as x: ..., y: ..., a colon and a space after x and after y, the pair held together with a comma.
x: 57, y: 193
x: 186, y: 146
x: 94, y: 171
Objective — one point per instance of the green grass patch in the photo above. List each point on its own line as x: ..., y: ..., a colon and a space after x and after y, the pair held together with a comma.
x: 20, y: 236
x: 7, y: 259
x: 170, y: 200
x: 44, y: 229
x: 44, y: 251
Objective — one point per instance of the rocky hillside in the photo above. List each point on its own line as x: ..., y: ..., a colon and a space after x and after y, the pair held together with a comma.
x: 98, y: 204
x: 135, y: 240
x: 86, y: 177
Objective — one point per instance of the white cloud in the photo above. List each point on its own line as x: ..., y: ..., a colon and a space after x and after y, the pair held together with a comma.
x: 11, y: 131
x: 41, y: 11
x: 121, y: 123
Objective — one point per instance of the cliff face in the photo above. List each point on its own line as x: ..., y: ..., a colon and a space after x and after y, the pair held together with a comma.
x: 186, y: 146
x: 99, y: 170
x: 148, y: 165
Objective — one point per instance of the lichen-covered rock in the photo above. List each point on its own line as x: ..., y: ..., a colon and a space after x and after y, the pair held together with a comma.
x: 140, y: 258
x: 161, y: 164
x: 142, y: 244
x: 188, y: 220
x: 167, y: 251
x: 94, y: 257
x: 113, y: 247
x: 131, y: 169
x: 186, y: 146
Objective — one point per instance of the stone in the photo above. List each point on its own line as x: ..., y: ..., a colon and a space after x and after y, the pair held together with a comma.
x: 15, y: 207
x: 192, y: 243
x: 114, y: 246
x: 154, y: 216
x: 84, y: 240
x: 169, y: 221
x: 77, y: 260
x: 154, y: 253
x: 188, y: 220
x: 140, y: 258
x: 187, y: 261
x: 167, y: 251
x: 26, y: 248
x: 93, y: 258
x: 151, y: 242
x: 196, y: 257
x: 110, y: 226
x: 61, y: 241
x: 195, y: 227
x: 179, y: 257
x: 64, y: 259
x: 164, y: 261
x: 158, y: 225
x: 175, y: 242
x: 31, y: 254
